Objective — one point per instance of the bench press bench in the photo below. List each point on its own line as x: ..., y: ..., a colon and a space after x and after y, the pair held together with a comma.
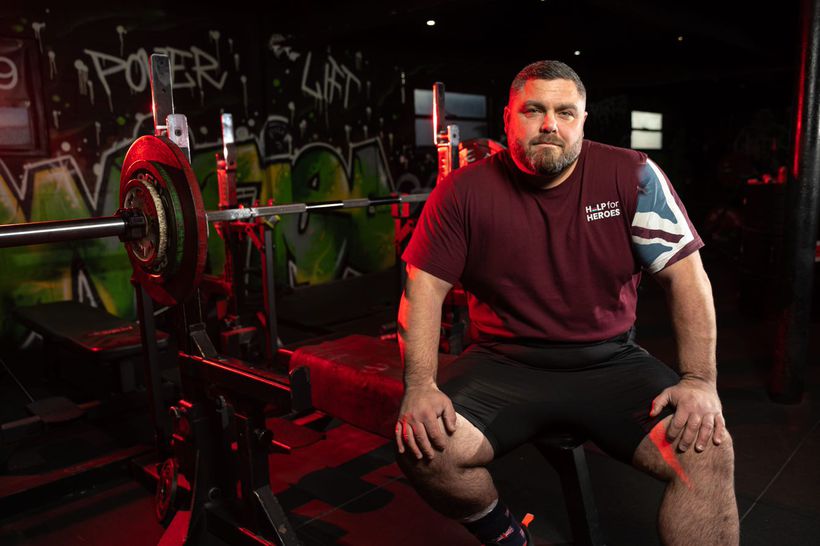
x: 358, y: 379
x: 90, y: 335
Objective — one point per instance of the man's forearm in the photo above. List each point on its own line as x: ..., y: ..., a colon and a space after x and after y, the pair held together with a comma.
x: 419, y: 327
x: 698, y: 414
x: 693, y: 317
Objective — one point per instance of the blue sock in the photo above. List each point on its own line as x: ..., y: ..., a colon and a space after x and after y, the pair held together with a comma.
x: 498, y: 527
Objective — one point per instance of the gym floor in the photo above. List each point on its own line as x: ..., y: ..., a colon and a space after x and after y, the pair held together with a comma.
x: 346, y: 489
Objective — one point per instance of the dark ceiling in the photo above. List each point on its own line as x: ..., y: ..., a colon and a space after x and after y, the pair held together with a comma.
x: 621, y: 42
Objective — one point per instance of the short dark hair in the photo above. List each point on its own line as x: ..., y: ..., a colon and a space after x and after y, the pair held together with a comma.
x: 547, y: 70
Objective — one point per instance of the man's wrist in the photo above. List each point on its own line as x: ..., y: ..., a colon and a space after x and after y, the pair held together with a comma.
x: 419, y: 384
x: 709, y: 379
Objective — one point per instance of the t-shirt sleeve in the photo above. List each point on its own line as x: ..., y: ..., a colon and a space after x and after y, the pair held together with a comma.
x: 439, y: 244
x: 662, y: 233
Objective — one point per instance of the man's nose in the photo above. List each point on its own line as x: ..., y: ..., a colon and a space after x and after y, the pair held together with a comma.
x: 550, y: 124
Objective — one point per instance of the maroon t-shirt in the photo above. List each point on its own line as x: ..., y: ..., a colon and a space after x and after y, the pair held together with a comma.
x: 561, y: 264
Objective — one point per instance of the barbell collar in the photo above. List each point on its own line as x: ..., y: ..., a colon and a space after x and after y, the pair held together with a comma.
x: 135, y: 224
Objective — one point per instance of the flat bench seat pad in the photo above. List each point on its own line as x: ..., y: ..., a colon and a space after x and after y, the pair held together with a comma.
x: 357, y: 379
x: 85, y: 328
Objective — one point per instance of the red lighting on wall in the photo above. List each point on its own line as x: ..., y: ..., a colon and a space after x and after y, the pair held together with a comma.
x: 767, y: 179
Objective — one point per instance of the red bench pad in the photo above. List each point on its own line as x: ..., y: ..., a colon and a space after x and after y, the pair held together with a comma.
x: 357, y: 379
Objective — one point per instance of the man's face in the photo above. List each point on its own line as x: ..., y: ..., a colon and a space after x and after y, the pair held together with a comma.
x: 545, y: 126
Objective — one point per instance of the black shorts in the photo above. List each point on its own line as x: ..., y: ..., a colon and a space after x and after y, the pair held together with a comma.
x: 514, y: 393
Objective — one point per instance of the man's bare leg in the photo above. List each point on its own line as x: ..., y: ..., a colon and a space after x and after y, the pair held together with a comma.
x: 454, y: 482
x: 699, y: 505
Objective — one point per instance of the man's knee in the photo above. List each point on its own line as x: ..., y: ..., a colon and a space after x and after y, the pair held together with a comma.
x: 424, y: 468
x: 718, y: 460
x: 446, y: 460
x: 714, y: 465
x: 660, y: 457
x: 464, y: 449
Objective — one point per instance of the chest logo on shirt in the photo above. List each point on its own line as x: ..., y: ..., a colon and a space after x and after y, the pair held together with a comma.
x: 599, y: 211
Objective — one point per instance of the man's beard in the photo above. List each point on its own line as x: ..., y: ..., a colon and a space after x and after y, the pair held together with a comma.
x: 544, y: 160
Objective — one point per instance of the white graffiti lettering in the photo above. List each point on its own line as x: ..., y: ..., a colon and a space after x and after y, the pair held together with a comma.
x: 334, y: 85
x: 244, y: 80
x: 203, y: 70
x: 8, y: 74
x: 276, y: 45
x: 106, y: 65
x: 82, y: 76
x: 190, y: 69
x: 38, y: 27
x: 121, y: 32
x: 176, y: 61
x: 52, y: 64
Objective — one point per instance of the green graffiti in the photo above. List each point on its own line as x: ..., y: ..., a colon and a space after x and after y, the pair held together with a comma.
x: 43, y: 273
x: 310, y: 249
x: 317, y: 242
x: 375, y: 250
x: 107, y: 263
x: 45, y: 270
x: 10, y: 213
x: 321, y: 247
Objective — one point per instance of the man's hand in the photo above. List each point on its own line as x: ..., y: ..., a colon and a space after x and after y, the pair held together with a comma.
x: 426, y: 418
x: 698, y: 414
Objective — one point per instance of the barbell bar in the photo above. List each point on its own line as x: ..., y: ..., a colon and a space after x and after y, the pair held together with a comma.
x: 35, y: 233
x: 127, y: 221
x: 248, y: 213
x: 162, y: 220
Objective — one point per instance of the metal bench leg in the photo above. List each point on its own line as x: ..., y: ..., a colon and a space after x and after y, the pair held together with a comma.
x: 571, y: 464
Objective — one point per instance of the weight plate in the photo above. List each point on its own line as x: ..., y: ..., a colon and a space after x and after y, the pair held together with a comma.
x: 174, y: 203
x: 166, y: 493
x: 151, y: 249
x: 171, y: 278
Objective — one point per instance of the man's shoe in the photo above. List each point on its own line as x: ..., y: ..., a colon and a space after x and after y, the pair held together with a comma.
x: 525, y: 524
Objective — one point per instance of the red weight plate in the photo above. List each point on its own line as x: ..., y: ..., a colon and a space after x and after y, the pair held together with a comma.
x: 159, y: 161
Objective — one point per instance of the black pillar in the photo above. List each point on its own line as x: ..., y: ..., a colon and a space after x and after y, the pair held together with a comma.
x: 791, y: 345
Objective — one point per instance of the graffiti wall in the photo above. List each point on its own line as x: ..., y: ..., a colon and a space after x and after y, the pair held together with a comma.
x: 312, y: 123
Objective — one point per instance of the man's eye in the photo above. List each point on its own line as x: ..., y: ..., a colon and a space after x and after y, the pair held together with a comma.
x: 567, y: 114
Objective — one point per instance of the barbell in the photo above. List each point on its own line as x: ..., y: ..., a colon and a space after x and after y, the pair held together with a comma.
x: 162, y: 219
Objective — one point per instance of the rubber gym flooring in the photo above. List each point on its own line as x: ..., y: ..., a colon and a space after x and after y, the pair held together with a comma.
x: 346, y: 490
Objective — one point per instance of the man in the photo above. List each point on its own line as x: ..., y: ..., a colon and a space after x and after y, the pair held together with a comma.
x: 549, y: 239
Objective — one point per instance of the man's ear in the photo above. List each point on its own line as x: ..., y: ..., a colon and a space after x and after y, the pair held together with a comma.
x: 506, y: 117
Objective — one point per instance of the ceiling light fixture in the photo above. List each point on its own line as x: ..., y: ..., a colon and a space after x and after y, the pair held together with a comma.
x: 431, y: 22
x: 577, y: 52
